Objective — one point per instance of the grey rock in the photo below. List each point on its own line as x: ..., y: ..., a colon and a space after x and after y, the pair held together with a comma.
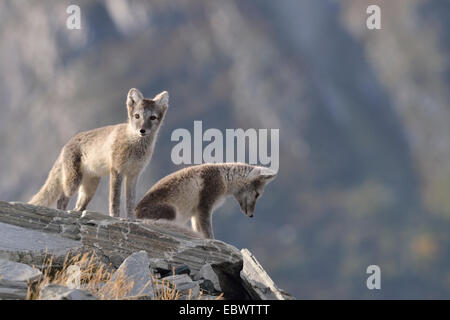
x: 59, y: 292
x: 211, y: 282
x: 13, y: 292
x: 136, y: 269
x: 116, y: 239
x: 184, y: 269
x: 210, y: 297
x: 12, y: 272
x: 181, y: 269
x: 40, y: 218
x: 184, y: 284
x: 219, y: 279
x: 14, y: 279
x: 257, y: 281
x: 158, y: 242
x: 32, y: 246
x: 31, y: 230
x: 207, y: 286
x: 159, y: 264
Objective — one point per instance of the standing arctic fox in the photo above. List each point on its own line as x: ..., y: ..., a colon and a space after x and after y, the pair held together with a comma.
x: 195, y: 192
x: 120, y: 151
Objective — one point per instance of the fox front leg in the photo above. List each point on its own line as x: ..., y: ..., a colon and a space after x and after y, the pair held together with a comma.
x: 115, y: 184
x: 130, y: 189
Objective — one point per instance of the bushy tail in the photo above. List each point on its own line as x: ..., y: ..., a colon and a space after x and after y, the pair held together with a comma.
x: 52, y: 188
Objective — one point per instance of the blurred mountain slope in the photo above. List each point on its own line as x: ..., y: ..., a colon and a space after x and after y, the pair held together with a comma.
x: 363, y: 118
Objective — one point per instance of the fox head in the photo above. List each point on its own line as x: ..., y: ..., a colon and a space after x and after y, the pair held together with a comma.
x: 252, y: 190
x: 146, y: 115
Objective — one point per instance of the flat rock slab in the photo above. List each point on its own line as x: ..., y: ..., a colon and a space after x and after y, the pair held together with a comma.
x: 40, y: 218
x: 18, y: 239
x: 32, y: 246
x: 117, y: 239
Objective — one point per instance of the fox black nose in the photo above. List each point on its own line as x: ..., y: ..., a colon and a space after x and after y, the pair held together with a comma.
x: 142, y: 131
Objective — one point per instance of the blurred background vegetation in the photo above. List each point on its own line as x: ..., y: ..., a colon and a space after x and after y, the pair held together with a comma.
x: 364, y: 121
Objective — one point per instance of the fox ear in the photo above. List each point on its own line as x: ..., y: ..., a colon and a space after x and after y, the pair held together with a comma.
x: 267, y: 174
x: 162, y: 99
x: 263, y: 173
x: 133, y: 97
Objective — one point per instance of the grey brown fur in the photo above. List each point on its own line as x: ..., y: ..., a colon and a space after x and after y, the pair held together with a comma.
x: 120, y: 151
x: 195, y: 192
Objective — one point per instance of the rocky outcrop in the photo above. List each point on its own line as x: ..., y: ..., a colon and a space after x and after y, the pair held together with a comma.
x: 257, y: 281
x: 138, y: 249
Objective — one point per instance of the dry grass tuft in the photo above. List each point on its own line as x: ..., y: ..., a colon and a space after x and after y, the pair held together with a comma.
x: 96, y: 278
x: 164, y: 290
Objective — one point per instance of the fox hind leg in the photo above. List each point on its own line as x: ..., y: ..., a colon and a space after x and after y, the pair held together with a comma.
x: 62, y: 203
x: 71, y: 172
x: 202, y: 223
x: 86, y: 192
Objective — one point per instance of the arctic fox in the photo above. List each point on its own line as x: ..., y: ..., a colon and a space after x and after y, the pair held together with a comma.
x: 195, y: 192
x: 120, y: 151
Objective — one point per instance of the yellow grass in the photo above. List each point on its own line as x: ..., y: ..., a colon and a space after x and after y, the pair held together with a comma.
x: 96, y: 278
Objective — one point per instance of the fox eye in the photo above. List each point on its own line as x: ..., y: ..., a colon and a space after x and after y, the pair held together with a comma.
x: 137, y: 116
x: 152, y: 117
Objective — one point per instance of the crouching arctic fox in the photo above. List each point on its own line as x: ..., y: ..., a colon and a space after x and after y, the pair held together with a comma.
x: 120, y: 151
x: 195, y: 192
